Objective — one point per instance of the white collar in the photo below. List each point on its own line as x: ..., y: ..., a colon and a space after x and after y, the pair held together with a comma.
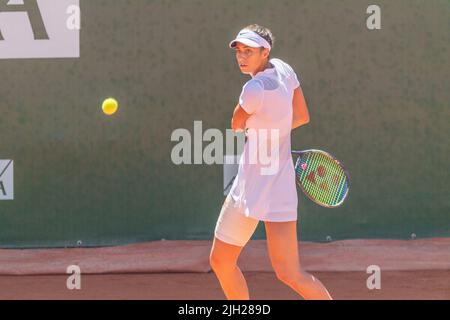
x: 266, y: 70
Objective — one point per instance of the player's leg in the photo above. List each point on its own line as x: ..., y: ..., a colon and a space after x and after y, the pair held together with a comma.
x: 223, y: 260
x: 233, y: 231
x: 283, y: 251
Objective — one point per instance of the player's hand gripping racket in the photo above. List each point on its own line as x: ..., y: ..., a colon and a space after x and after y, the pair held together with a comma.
x: 321, y: 177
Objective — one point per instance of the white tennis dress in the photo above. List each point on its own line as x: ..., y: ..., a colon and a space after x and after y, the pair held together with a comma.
x: 264, y: 188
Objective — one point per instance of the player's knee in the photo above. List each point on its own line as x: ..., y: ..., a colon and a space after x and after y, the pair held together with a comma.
x: 219, y: 264
x: 284, y: 275
x: 289, y: 276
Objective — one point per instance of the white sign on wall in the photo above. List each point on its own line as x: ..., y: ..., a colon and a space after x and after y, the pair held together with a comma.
x: 6, y: 180
x: 39, y: 29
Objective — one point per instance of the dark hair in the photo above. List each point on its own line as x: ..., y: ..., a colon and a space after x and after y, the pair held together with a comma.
x: 263, y: 32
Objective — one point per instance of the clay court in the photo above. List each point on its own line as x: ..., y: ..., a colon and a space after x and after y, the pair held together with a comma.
x: 179, y: 270
x: 114, y: 136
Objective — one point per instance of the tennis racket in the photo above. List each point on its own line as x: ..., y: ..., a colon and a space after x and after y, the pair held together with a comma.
x: 322, y: 177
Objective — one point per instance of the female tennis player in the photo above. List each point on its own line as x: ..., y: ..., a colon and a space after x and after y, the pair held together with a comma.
x: 272, y: 100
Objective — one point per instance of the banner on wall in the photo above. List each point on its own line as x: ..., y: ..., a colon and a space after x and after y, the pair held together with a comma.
x: 6, y: 180
x: 39, y: 29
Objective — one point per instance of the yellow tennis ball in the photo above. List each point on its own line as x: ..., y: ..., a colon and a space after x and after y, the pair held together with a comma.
x: 109, y: 106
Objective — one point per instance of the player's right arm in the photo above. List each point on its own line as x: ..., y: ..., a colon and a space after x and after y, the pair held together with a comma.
x: 239, y: 119
x: 300, y: 115
x: 250, y: 101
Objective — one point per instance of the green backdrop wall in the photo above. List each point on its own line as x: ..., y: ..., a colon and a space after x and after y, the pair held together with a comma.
x: 379, y: 100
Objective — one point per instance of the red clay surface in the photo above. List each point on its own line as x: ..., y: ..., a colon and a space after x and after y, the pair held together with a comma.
x: 204, y: 286
x: 193, y: 256
x: 410, y: 269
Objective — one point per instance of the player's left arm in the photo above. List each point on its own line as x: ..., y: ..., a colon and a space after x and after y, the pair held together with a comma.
x: 300, y: 115
x: 239, y: 118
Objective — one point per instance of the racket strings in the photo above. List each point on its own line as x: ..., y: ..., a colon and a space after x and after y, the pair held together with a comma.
x: 321, y: 177
x: 317, y: 179
x: 328, y: 169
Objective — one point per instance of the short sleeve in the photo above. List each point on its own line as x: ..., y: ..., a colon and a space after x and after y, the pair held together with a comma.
x: 292, y: 78
x: 295, y: 83
x: 251, y: 97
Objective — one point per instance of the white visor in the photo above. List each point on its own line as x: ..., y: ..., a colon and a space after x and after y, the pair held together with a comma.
x: 251, y: 39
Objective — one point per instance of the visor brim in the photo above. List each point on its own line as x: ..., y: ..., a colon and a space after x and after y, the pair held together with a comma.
x: 245, y: 41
